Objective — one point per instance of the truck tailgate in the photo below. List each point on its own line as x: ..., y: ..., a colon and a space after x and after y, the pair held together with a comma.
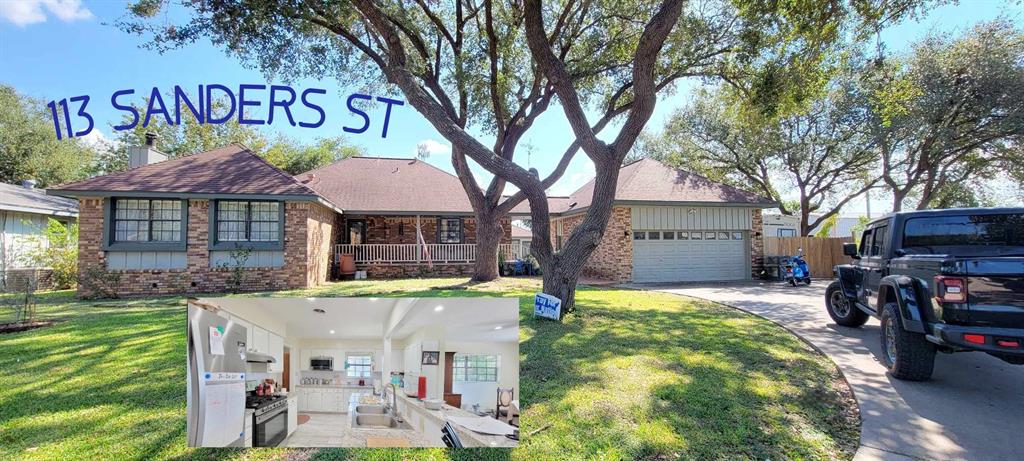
x: 995, y: 289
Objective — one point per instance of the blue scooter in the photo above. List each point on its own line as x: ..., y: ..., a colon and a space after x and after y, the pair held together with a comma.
x: 797, y: 270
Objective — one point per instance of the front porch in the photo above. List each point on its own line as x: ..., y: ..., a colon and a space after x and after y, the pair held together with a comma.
x: 416, y: 253
x: 396, y: 246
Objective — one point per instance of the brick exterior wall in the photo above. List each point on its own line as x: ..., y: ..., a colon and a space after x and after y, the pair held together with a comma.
x: 402, y: 229
x: 306, y: 255
x: 613, y: 257
x: 756, y: 244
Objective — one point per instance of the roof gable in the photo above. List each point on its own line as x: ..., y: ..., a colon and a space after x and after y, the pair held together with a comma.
x: 231, y: 170
x: 648, y: 180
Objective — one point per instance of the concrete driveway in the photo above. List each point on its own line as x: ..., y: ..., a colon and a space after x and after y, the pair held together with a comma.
x: 973, y: 408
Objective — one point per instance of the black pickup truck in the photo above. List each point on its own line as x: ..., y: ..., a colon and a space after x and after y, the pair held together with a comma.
x: 942, y: 280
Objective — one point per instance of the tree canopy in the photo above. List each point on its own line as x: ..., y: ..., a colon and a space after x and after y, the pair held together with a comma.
x: 29, y: 148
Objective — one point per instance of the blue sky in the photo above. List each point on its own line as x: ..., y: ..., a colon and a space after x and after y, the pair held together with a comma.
x: 52, y: 50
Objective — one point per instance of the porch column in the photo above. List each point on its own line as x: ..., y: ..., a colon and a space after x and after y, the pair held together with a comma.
x: 419, y: 237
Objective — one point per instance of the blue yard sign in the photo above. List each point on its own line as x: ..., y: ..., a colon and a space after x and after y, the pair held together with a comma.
x: 545, y: 305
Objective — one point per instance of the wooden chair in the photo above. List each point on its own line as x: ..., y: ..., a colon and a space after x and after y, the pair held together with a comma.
x: 502, y: 410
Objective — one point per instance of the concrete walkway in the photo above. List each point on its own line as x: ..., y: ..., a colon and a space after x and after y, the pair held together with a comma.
x: 973, y: 408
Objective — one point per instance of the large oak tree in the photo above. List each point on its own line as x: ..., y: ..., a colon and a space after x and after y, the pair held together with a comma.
x: 491, y: 68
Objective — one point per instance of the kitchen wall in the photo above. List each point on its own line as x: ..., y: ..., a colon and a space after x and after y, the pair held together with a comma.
x: 485, y: 394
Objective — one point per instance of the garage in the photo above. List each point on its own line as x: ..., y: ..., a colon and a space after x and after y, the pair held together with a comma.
x: 688, y: 256
x: 690, y: 244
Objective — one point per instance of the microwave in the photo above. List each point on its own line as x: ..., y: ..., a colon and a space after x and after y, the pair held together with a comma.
x: 321, y: 363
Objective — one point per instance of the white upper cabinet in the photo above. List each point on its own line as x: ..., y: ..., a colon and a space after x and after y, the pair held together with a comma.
x: 304, y: 356
x: 260, y: 340
x: 248, y: 330
x: 275, y: 347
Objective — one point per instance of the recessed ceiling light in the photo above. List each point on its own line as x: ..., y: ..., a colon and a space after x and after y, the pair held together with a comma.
x: 319, y: 311
x: 438, y: 308
x: 332, y: 332
x: 497, y: 327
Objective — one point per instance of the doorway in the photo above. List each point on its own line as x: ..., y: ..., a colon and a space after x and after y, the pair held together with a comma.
x: 355, y: 232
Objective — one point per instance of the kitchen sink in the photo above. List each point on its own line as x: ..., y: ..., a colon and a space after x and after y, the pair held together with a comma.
x: 371, y: 409
x: 379, y: 421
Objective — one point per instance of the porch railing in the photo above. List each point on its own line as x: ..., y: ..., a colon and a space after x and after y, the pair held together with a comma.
x: 413, y: 253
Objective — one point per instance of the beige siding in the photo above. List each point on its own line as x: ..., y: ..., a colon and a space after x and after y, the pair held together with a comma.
x: 681, y: 218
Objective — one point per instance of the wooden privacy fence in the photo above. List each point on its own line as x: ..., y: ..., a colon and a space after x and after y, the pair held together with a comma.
x: 820, y: 253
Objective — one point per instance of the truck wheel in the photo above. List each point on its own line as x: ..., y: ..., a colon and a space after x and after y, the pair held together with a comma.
x: 841, y: 309
x: 907, y: 355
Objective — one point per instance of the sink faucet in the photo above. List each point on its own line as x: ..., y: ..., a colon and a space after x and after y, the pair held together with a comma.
x: 394, y: 404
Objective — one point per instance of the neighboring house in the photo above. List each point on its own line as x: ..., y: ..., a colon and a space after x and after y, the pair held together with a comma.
x: 781, y: 225
x: 669, y: 225
x: 522, y: 236
x: 24, y: 212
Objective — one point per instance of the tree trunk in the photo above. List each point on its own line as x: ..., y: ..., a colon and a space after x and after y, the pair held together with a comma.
x: 560, y: 282
x: 488, y: 237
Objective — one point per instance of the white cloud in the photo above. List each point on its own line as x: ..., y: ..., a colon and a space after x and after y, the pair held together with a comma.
x: 25, y: 12
x: 429, y: 147
x: 97, y: 140
x: 569, y: 184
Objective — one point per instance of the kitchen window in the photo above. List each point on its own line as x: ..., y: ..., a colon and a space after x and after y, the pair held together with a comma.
x: 449, y: 230
x: 258, y: 224
x: 359, y: 366
x: 144, y: 224
x: 481, y: 368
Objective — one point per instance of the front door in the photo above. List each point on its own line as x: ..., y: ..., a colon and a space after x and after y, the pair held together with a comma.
x: 355, y: 233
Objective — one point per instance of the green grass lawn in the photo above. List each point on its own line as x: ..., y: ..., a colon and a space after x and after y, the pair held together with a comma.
x: 632, y: 375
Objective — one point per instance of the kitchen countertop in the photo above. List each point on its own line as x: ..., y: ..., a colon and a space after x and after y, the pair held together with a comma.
x: 361, y: 434
x: 334, y: 386
x: 440, y: 416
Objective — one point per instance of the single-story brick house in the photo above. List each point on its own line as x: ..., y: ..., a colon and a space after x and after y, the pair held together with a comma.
x: 669, y: 225
x: 175, y: 226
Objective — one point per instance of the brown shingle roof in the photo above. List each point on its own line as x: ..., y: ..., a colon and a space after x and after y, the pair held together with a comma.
x: 649, y: 180
x: 391, y: 185
x: 232, y: 169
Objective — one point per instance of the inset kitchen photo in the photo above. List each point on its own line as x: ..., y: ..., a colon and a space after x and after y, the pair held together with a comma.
x: 353, y: 372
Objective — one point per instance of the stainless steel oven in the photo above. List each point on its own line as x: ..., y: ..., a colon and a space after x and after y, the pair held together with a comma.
x: 321, y: 363
x: 270, y: 424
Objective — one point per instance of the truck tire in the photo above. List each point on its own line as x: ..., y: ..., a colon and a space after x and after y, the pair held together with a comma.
x: 841, y: 308
x: 907, y: 355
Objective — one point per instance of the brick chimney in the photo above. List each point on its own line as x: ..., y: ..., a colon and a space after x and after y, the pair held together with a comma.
x: 145, y: 155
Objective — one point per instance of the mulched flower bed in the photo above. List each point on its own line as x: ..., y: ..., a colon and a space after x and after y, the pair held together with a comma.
x: 22, y: 326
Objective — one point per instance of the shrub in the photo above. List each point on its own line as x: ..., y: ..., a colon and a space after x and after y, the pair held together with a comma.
x: 59, y: 252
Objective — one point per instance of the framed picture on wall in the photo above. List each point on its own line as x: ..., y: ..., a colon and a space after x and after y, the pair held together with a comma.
x: 431, y: 357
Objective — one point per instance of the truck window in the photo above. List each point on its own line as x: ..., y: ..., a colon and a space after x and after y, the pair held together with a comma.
x: 878, y: 242
x: 865, y: 243
x: 983, y: 233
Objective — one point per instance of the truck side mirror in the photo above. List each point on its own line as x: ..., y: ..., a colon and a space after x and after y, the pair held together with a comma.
x: 850, y: 249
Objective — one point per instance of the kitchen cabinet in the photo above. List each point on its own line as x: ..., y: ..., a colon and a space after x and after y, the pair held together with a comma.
x: 248, y: 330
x: 304, y: 356
x: 275, y: 347
x: 293, y: 414
x: 432, y: 432
x: 260, y: 340
x: 314, y: 400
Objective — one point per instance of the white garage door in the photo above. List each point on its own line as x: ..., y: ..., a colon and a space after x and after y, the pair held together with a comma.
x: 684, y: 256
